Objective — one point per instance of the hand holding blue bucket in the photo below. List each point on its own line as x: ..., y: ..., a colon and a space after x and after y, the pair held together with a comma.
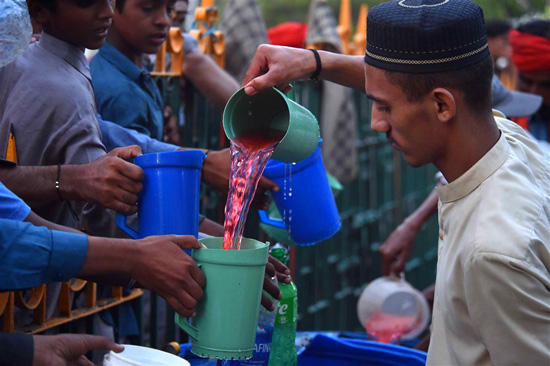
x: 305, y: 201
x: 169, y: 201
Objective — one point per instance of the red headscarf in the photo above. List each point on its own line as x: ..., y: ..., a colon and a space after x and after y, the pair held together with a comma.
x: 289, y: 34
x: 529, y: 52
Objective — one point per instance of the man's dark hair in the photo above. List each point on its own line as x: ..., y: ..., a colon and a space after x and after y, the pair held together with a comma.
x: 497, y: 27
x: 52, y: 4
x: 473, y: 81
x: 48, y: 4
x: 538, y: 27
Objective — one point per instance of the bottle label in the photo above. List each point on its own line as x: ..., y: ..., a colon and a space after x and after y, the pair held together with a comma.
x: 287, y: 311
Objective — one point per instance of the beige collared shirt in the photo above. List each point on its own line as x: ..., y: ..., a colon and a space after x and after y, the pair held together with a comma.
x: 492, y: 297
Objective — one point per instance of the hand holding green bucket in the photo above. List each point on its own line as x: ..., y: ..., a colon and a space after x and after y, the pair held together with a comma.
x: 225, y: 324
x: 272, y: 110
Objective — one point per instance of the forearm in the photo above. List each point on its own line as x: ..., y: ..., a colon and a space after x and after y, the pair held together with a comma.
x: 109, y: 261
x: 210, y: 79
x: 39, y: 221
x: 427, y: 209
x: 32, y: 183
x: 343, y: 69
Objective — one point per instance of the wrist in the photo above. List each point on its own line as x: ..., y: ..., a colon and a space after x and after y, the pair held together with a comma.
x: 67, y: 181
x: 314, y: 76
x: 413, y: 223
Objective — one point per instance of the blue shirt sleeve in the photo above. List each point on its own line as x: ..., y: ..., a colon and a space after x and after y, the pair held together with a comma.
x: 114, y: 135
x: 31, y: 255
x: 11, y: 206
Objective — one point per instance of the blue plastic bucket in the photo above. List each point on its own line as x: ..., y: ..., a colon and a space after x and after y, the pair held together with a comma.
x: 305, y: 200
x: 332, y: 351
x: 169, y: 201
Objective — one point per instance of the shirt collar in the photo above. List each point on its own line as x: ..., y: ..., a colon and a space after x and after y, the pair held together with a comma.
x: 121, y: 62
x: 477, y: 174
x: 71, y: 54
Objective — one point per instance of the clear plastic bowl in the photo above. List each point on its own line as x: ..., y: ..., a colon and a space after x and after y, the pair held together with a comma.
x: 394, y: 297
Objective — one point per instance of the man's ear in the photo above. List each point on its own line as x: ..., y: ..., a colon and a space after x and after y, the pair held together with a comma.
x: 38, y: 12
x: 444, y: 104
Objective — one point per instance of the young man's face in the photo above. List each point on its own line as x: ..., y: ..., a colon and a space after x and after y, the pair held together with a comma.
x: 82, y: 23
x: 537, y: 82
x: 409, y: 127
x: 143, y: 25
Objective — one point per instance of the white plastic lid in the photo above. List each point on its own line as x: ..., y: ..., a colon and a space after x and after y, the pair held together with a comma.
x: 142, y: 356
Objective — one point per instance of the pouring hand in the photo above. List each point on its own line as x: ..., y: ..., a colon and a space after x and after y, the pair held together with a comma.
x: 164, y: 268
x: 277, y: 66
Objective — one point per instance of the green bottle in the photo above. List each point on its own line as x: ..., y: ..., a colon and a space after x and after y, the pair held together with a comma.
x: 283, y: 349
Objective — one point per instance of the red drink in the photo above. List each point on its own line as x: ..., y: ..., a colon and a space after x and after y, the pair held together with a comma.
x: 249, y: 155
x: 386, y: 327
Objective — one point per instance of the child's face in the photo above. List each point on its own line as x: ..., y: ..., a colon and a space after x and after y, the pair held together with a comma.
x: 143, y: 25
x: 82, y: 23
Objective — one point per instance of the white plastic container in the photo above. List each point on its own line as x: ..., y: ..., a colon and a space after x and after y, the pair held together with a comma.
x: 395, y: 297
x: 142, y: 356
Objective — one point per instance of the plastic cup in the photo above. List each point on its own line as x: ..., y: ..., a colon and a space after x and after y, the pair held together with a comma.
x: 169, y: 201
x: 225, y: 324
x: 142, y: 356
x: 307, y: 204
x: 273, y: 110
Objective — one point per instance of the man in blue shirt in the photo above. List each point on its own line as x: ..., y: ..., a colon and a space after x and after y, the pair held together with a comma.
x: 126, y: 93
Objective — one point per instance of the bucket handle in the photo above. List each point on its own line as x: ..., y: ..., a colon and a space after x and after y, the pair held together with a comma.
x: 188, y: 328
x: 122, y: 223
x: 279, y: 223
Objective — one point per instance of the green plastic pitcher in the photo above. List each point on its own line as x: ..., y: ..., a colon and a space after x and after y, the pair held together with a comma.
x: 273, y: 110
x: 225, y: 324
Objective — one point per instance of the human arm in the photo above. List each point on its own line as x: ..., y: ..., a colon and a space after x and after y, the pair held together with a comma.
x: 63, y: 349
x: 397, y: 248
x: 110, y: 181
x: 210, y: 79
x: 16, y: 349
x: 170, y: 134
x: 32, y: 255
x: 114, y: 135
x: 508, y: 301
x: 39, y: 221
x: 277, y: 66
x: 68, y: 349
x: 157, y: 263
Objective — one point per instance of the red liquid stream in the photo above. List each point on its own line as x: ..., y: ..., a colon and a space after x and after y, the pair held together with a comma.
x: 249, y: 155
x: 387, y: 327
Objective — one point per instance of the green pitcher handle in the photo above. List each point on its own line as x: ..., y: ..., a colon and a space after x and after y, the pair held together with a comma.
x: 188, y: 328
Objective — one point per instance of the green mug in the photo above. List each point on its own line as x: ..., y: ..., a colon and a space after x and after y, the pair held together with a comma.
x: 225, y: 324
x: 272, y: 110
